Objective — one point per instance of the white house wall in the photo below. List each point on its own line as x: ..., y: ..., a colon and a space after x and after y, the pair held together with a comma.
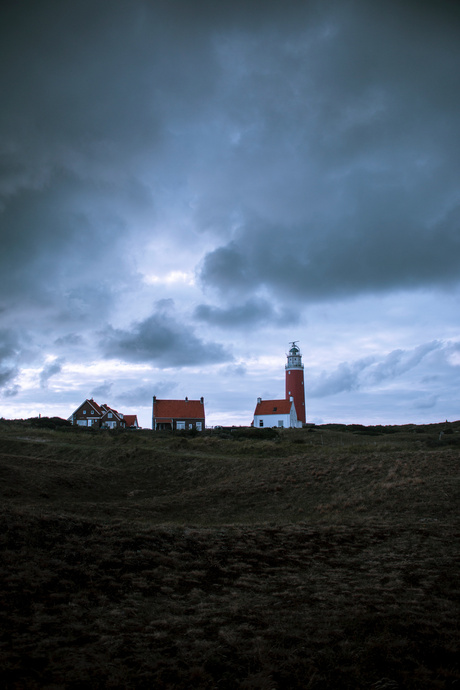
x: 270, y: 420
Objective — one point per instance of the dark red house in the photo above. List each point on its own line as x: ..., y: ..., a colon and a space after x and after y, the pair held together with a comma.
x: 178, y: 414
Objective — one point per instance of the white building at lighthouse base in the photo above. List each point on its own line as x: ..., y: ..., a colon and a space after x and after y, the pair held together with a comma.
x: 275, y: 413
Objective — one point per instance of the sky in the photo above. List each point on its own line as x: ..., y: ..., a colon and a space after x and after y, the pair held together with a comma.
x: 188, y: 186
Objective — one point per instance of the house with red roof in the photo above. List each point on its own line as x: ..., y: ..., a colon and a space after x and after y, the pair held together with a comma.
x: 278, y: 413
x: 131, y: 421
x: 178, y: 414
x: 102, y: 416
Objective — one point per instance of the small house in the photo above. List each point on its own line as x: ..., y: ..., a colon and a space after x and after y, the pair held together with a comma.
x: 279, y: 413
x: 131, y: 421
x: 178, y: 414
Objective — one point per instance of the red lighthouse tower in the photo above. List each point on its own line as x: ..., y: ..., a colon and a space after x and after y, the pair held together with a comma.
x: 294, y: 381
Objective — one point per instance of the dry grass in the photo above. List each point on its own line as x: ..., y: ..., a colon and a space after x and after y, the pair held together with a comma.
x: 229, y: 561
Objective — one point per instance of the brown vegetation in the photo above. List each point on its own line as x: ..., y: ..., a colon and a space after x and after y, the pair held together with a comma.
x: 321, y: 558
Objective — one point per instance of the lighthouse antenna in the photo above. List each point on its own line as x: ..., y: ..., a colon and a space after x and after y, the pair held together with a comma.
x: 293, y: 350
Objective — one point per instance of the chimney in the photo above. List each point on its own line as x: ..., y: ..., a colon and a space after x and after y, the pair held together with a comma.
x: 202, y: 400
x: 259, y: 400
x: 186, y: 399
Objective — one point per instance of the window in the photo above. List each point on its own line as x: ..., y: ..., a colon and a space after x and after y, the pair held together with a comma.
x: 92, y: 411
x: 84, y: 411
x: 109, y: 415
x: 198, y: 426
x: 280, y: 423
x: 180, y: 425
x: 261, y: 422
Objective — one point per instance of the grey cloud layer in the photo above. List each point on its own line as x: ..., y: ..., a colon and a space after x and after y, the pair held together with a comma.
x: 327, y: 128
x: 313, y: 143
x: 370, y: 372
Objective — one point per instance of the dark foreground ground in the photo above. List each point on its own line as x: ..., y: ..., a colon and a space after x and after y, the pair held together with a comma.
x: 325, y: 559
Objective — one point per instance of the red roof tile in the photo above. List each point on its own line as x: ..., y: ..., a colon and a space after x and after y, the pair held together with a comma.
x: 130, y: 420
x: 94, y: 404
x: 273, y: 407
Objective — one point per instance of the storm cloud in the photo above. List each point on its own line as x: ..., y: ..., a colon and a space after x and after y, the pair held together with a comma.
x: 250, y: 313
x: 161, y: 339
x: 49, y: 370
x: 9, y: 347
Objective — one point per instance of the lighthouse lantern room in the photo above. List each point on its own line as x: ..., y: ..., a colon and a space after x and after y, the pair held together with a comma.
x: 294, y: 381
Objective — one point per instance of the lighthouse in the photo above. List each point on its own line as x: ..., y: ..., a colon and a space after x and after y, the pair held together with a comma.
x: 294, y: 381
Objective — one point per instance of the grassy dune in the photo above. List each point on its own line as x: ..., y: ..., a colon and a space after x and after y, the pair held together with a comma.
x: 320, y: 558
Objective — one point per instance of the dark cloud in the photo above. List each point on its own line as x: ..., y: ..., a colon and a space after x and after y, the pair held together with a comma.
x: 63, y: 246
x: 252, y: 312
x: 9, y: 344
x: 7, y: 374
x: 142, y: 395
x: 49, y: 370
x: 344, y: 163
x: 162, y: 340
x: 9, y: 353
x: 102, y: 391
x: 239, y: 370
x: 378, y: 249
x: 69, y: 340
x: 12, y: 391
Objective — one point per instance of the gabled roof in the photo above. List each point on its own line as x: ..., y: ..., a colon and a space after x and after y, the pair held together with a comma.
x: 106, y: 410
x: 130, y: 420
x: 178, y: 409
x: 273, y: 407
x: 92, y: 403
